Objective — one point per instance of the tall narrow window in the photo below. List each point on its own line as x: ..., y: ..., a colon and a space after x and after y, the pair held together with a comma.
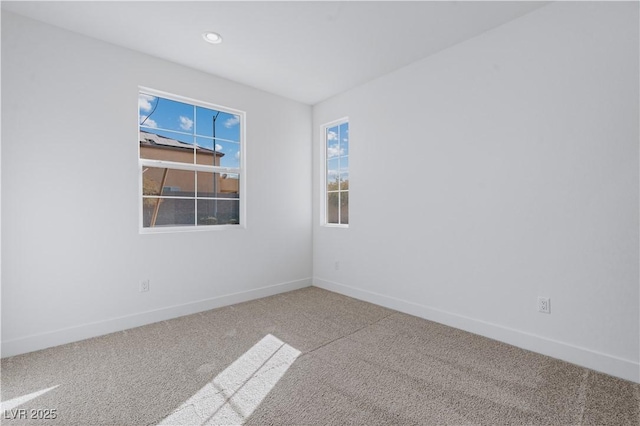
x: 336, y: 148
x: 190, y: 156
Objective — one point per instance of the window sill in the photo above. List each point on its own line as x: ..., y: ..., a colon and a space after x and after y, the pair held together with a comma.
x: 335, y: 225
x: 184, y: 229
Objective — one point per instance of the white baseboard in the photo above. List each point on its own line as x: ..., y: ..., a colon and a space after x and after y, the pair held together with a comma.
x: 609, y: 364
x: 85, y: 331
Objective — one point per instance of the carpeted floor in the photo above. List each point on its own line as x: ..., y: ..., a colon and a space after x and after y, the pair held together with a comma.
x: 302, y: 358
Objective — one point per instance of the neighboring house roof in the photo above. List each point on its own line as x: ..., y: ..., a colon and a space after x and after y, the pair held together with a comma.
x: 153, y: 140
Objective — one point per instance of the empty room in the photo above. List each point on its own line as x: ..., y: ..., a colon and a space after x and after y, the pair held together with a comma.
x: 318, y: 212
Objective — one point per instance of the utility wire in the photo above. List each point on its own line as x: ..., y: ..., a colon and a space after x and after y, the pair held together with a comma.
x: 152, y: 111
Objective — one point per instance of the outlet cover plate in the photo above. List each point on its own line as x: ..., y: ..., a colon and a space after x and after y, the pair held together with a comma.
x: 544, y: 305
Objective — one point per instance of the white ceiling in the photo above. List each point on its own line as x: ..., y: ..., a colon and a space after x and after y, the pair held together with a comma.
x: 307, y: 51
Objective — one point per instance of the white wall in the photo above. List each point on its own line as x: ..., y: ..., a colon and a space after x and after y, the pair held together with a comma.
x: 72, y: 255
x: 499, y: 170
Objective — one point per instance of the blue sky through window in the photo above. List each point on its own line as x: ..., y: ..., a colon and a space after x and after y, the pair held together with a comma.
x: 189, y: 124
x: 337, y: 138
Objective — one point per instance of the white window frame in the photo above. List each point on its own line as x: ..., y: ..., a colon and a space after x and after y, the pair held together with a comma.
x: 324, y: 220
x: 142, y: 163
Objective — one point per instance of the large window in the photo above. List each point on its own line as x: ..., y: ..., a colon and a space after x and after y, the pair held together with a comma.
x: 336, y: 172
x: 191, y: 163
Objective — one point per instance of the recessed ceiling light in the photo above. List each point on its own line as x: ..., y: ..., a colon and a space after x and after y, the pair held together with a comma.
x: 212, y: 37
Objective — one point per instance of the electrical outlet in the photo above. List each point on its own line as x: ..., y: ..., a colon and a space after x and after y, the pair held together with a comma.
x: 144, y: 285
x: 336, y: 266
x: 544, y: 305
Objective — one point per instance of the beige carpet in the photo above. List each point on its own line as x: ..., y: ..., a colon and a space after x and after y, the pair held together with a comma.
x: 307, y: 357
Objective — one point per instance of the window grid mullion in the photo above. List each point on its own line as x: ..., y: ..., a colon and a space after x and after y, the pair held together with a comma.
x: 339, y: 175
x: 189, y: 134
x: 195, y: 161
x: 161, y: 164
x: 326, y: 187
x: 184, y: 197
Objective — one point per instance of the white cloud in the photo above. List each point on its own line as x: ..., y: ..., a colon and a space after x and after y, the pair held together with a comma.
x: 334, y: 151
x: 186, y: 123
x: 237, y: 155
x: 150, y: 122
x: 332, y: 136
x: 145, y: 102
x: 232, y: 121
x: 218, y: 147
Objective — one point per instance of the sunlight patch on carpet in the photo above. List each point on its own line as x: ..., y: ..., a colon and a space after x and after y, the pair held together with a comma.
x: 235, y: 393
x: 13, y: 403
